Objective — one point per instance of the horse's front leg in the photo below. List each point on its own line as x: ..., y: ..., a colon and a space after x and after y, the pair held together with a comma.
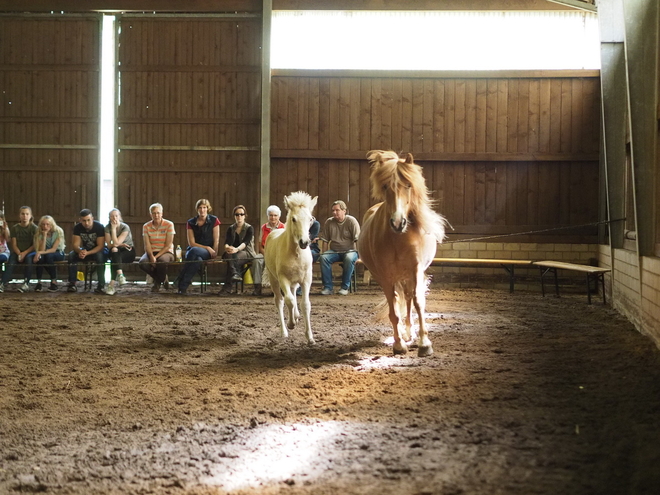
x: 399, y: 346
x: 279, y: 304
x: 419, y: 299
x: 307, y: 311
x: 291, y: 304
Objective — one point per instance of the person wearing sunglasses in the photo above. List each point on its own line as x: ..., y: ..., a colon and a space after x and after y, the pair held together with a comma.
x: 239, y: 248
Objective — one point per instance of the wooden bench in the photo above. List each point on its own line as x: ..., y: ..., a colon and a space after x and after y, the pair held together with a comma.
x: 592, y: 273
x: 508, y: 265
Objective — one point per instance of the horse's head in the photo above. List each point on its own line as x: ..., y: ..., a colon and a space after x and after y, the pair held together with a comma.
x: 399, y: 183
x: 299, y: 217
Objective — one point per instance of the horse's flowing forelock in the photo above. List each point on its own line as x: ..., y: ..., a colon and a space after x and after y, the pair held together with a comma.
x: 387, y: 169
x: 299, y: 199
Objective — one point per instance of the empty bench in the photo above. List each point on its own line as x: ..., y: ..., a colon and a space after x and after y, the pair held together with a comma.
x: 508, y: 265
x: 594, y: 273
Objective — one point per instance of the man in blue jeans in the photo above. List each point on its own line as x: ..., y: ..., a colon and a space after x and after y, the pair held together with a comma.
x: 339, y: 235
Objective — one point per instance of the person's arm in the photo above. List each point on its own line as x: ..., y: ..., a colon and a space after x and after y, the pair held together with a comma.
x: 77, y: 248
x: 53, y: 248
x: 229, y: 241
x: 112, y: 239
x: 147, y: 246
x: 216, y: 241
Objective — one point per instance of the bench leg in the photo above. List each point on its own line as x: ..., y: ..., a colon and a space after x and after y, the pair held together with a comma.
x: 510, y: 270
x: 589, y: 288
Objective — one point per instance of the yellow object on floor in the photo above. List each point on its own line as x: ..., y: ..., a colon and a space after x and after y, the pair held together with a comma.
x: 81, y: 276
x: 247, y: 278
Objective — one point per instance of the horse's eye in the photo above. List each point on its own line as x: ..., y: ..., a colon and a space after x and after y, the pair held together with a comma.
x: 385, y: 188
x: 294, y: 220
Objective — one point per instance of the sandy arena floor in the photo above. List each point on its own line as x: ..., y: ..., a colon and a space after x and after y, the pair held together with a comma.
x: 157, y: 393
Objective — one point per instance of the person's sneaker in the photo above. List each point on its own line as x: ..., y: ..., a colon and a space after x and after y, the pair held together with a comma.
x: 52, y: 287
x: 326, y: 292
x: 2, y: 287
x: 121, y: 280
x: 72, y: 287
x: 110, y: 290
x: 24, y: 288
x: 343, y: 292
x: 99, y: 289
x: 237, y: 278
x: 38, y: 287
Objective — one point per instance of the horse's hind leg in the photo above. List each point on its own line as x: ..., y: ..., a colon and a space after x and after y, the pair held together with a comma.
x: 419, y: 299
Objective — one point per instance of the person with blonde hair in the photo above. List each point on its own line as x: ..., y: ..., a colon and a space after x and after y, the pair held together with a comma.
x: 49, y: 244
x: 203, y: 234
x: 21, y: 246
x: 119, y: 240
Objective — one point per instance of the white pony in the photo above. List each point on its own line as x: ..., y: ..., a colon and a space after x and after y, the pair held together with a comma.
x: 289, y: 261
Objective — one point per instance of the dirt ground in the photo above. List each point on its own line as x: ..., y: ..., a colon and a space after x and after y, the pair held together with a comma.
x: 158, y: 393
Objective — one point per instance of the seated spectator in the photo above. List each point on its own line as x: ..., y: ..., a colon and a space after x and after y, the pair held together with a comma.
x: 339, y: 235
x: 239, y: 248
x: 274, y: 213
x: 5, y: 237
x: 203, y: 233
x: 21, y: 248
x: 119, y: 239
x: 49, y: 244
x: 314, y: 231
x: 88, y: 247
x: 158, y: 236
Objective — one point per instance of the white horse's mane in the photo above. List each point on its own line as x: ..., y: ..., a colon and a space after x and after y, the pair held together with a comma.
x: 299, y: 199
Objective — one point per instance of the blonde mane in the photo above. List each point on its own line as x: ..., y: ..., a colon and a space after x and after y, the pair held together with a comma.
x: 299, y: 199
x: 387, y: 171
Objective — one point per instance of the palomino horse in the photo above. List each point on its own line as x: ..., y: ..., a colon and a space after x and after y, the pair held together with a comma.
x: 289, y: 261
x: 398, y: 241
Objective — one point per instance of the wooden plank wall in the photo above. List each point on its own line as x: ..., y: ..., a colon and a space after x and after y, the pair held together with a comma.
x: 49, y: 81
x: 189, y: 117
x: 501, y: 154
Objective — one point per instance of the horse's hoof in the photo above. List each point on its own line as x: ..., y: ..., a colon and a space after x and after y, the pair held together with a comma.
x: 424, y: 351
x: 400, y: 350
x: 291, y: 325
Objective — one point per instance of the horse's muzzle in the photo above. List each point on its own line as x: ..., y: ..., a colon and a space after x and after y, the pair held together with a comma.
x: 398, y: 228
x: 302, y: 244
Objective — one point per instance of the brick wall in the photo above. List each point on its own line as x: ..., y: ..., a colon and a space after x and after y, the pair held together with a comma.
x: 640, y: 303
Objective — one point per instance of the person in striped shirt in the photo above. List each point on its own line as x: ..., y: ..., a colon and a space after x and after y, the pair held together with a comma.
x: 158, y: 236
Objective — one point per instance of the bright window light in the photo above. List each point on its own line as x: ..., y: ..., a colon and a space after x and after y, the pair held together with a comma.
x: 107, y: 131
x: 434, y: 40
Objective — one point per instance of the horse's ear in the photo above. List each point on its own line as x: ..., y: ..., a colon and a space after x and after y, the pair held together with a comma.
x: 313, y: 204
x: 286, y: 203
x: 409, y: 158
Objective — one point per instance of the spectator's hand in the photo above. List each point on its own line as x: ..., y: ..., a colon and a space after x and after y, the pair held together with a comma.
x: 82, y: 253
x: 152, y: 258
x: 212, y: 252
x: 37, y: 256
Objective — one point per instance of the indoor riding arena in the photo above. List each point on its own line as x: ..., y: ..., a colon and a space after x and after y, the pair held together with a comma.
x: 542, y: 303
